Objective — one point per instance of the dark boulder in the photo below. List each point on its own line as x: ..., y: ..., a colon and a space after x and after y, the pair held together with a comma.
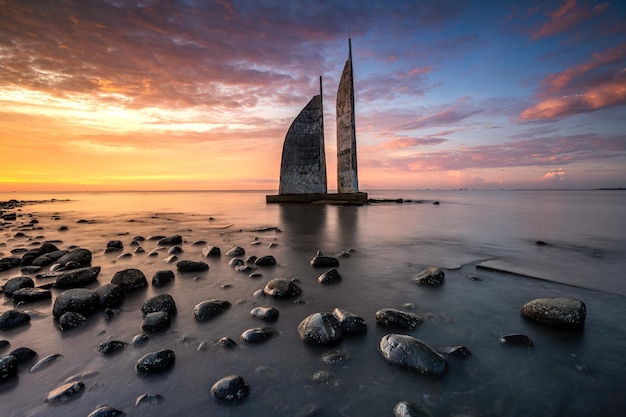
x: 148, y: 401
x: 110, y: 295
x: 282, y: 288
x: 226, y: 342
x: 208, y: 309
x: 157, y: 321
x: 320, y: 260
x: 235, y: 262
x: 75, y: 278
x: 110, y: 346
x: 80, y: 256
x: 192, y: 266
x: 161, y: 302
x: 350, y: 323
x: 460, y: 352
x: 114, y: 246
x: 258, y: 334
x: 162, y: 278
x: 408, y: 352
x: 8, y: 367
x: 563, y: 313
x: 329, y: 277
x: 23, y: 354
x: 267, y: 260
x: 155, y: 362
x: 517, y: 339
x: 12, y: 318
x: 175, y: 250
x: 320, y: 328
x: 409, y: 409
x: 265, y: 313
x: 17, y: 283
x: 78, y: 300
x: 70, y: 320
x: 211, y: 251
x: 390, y: 317
x: 130, y: 280
x: 64, y: 393
x: 432, y: 276
x: 105, y: 411
x: 236, y: 251
x: 230, y: 389
x: 171, y: 240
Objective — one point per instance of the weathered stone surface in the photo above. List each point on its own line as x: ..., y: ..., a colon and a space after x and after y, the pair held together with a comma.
x: 409, y: 409
x: 77, y: 277
x: 208, y: 309
x: 80, y: 256
x: 110, y: 295
x: 130, y: 280
x: 230, y: 389
x: 267, y: 260
x: 432, y: 276
x: 320, y: 328
x: 162, y: 278
x: 390, y: 317
x: 23, y: 354
x: 78, y: 300
x: 65, y: 393
x: 408, y: 352
x: 350, y: 323
x: 211, y: 251
x: 320, y: 260
x: 155, y: 362
x: 27, y: 295
x: 12, y: 318
x: 111, y: 346
x: 16, y: 283
x: 329, y: 277
x: 154, y: 322
x: 114, y: 246
x: 105, y: 411
x: 192, y: 266
x: 516, y: 340
x: 8, y: 367
x: 564, y: 313
x: 236, y: 251
x: 171, y: 240
x: 282, y: 288
x: 265, y: 313
x: 70, y: 320
x: 258, y: 334
x: 161, y: 302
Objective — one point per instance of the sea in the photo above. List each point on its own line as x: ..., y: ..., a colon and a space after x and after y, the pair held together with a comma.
x: 498, y: 250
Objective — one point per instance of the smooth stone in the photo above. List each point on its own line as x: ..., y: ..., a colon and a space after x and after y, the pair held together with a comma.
x: 208, y: 309
x: 329, y: 277
x: 30, y: 269
x: 23, y: 354
x: 27, y: 295
x: 324, y: 261
x: 110, y: 295
x: 12, y: 318
x: 155, y: 362
x: 408, y: 352
x: 563, y: 313
x: 516, y: 340
x: 236, y: 251
x: 409, y: 409
x: 140, y: 339
x: 267, y: 260
x: 265, y: 313
x: 114, y: 246
x: 17, y: 283
x: 154, y: 322
x: 175, y: 250
x: 455, y: 351
x: 80, y: 256
x: 350, y: 323
x: 432, y: 276
x: 75, y: 278
x: 105, y: 411
x: 110, y: 346
x: 130, y: 280
x: 251, y: 259
x: 258, y: 334
x: 230, y: 389
x: 70, y: 320
x: 211, y: 251
x: 45, y: 363
x: 171, y: 240
x: 235, y: 262
x: 162, y: 278
x: 170, y: 259
x: 335, y: 357
x: 320, y: 328
x: 4, y: 344
x: 192, y: 266
x: 226, y: 342
x: 245, y: 268
x: 161, y: 302
x: 78, y: 300
x: 65, y: 393
x: 390, y: 317
x: 281, y: 288
x: 8, y: 367
x: 148, y: 400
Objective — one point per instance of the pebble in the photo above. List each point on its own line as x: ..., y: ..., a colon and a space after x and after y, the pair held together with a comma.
x: 230, y: 389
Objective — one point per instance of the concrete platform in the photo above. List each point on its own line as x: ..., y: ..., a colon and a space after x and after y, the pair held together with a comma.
x: 358, y: 199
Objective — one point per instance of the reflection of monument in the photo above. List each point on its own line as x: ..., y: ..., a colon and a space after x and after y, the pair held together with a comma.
x: 303, y: 165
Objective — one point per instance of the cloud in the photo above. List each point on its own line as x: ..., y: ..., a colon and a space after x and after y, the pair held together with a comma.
x: 569, y: 15
x: 554, y: 176
x: 449, y: 115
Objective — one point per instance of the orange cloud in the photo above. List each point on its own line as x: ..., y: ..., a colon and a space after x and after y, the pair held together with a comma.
x: 568, y: 16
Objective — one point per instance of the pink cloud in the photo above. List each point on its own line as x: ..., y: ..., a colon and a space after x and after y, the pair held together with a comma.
x: 554, y: 176
x: 566, y: 17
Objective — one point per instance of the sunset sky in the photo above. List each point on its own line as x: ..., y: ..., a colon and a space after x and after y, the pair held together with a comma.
x: 198, y: 94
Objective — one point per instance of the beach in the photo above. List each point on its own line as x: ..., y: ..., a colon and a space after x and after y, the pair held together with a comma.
x: 498, y: 250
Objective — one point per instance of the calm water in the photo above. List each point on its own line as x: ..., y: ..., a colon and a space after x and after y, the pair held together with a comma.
x: 573, y: 374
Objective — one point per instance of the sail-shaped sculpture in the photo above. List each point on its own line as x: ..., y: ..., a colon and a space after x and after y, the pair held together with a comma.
x: 303, y: 166
x: 347, y: 175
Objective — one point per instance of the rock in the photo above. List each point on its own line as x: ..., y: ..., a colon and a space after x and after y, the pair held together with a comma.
x: 251, y: 259
x: 105, y: 411
x: 110, y: 295
x: 148, y: 400
x: 162, y: 278
x: 236, y: 251
x: 265, y: 313
x: 45, y: 363
x: 192, y: 266
x: 455, y: 351
x: 390, y: 317
x: 140, y: 339
x: 208, y: 309
x: 432, y: 276
x: 408, y: 352
x: 80, y: 256
x: 155, y: 362
x: 563, y: 313
x: 114, y: 246
x: 226, y: 342
x: 161, y: 302
x: 27, y: 295
x: 70, y: 320
x: 211, y: 251
x: 516, y: 340
x: 245, y: 268
x: 23, y: 354
x: 16, y: 283
x: 350, y: 323
x: 171, y: 240
x: 267, y: 260
x: 111, y: 346
x: 320, y: 260
x: 12, y: 318
x: 4, y: 344
x: 257, y: 334
x: 8, y: 367
x: 30, y: 269
x: 329, y: 277
x: 76, y: 278
x: 154, y: 322
x: 335, y: 357
x: 170, y: 259
x: 235, y: 262
x: 78, y: 300
x: 320, y: 328
x: 130, y: 280
x: 230, y: 389
x: 409, y: 409
x: 282, y: 288
x: 175, y: 250
x: 65, y: 393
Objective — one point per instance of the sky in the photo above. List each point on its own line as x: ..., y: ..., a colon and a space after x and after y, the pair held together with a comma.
x: 102, y: 95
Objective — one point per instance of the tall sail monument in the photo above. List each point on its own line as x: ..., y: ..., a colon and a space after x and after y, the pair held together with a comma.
x: 347, y: 175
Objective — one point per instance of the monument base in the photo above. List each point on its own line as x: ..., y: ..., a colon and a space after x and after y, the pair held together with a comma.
x: 323, y: 198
